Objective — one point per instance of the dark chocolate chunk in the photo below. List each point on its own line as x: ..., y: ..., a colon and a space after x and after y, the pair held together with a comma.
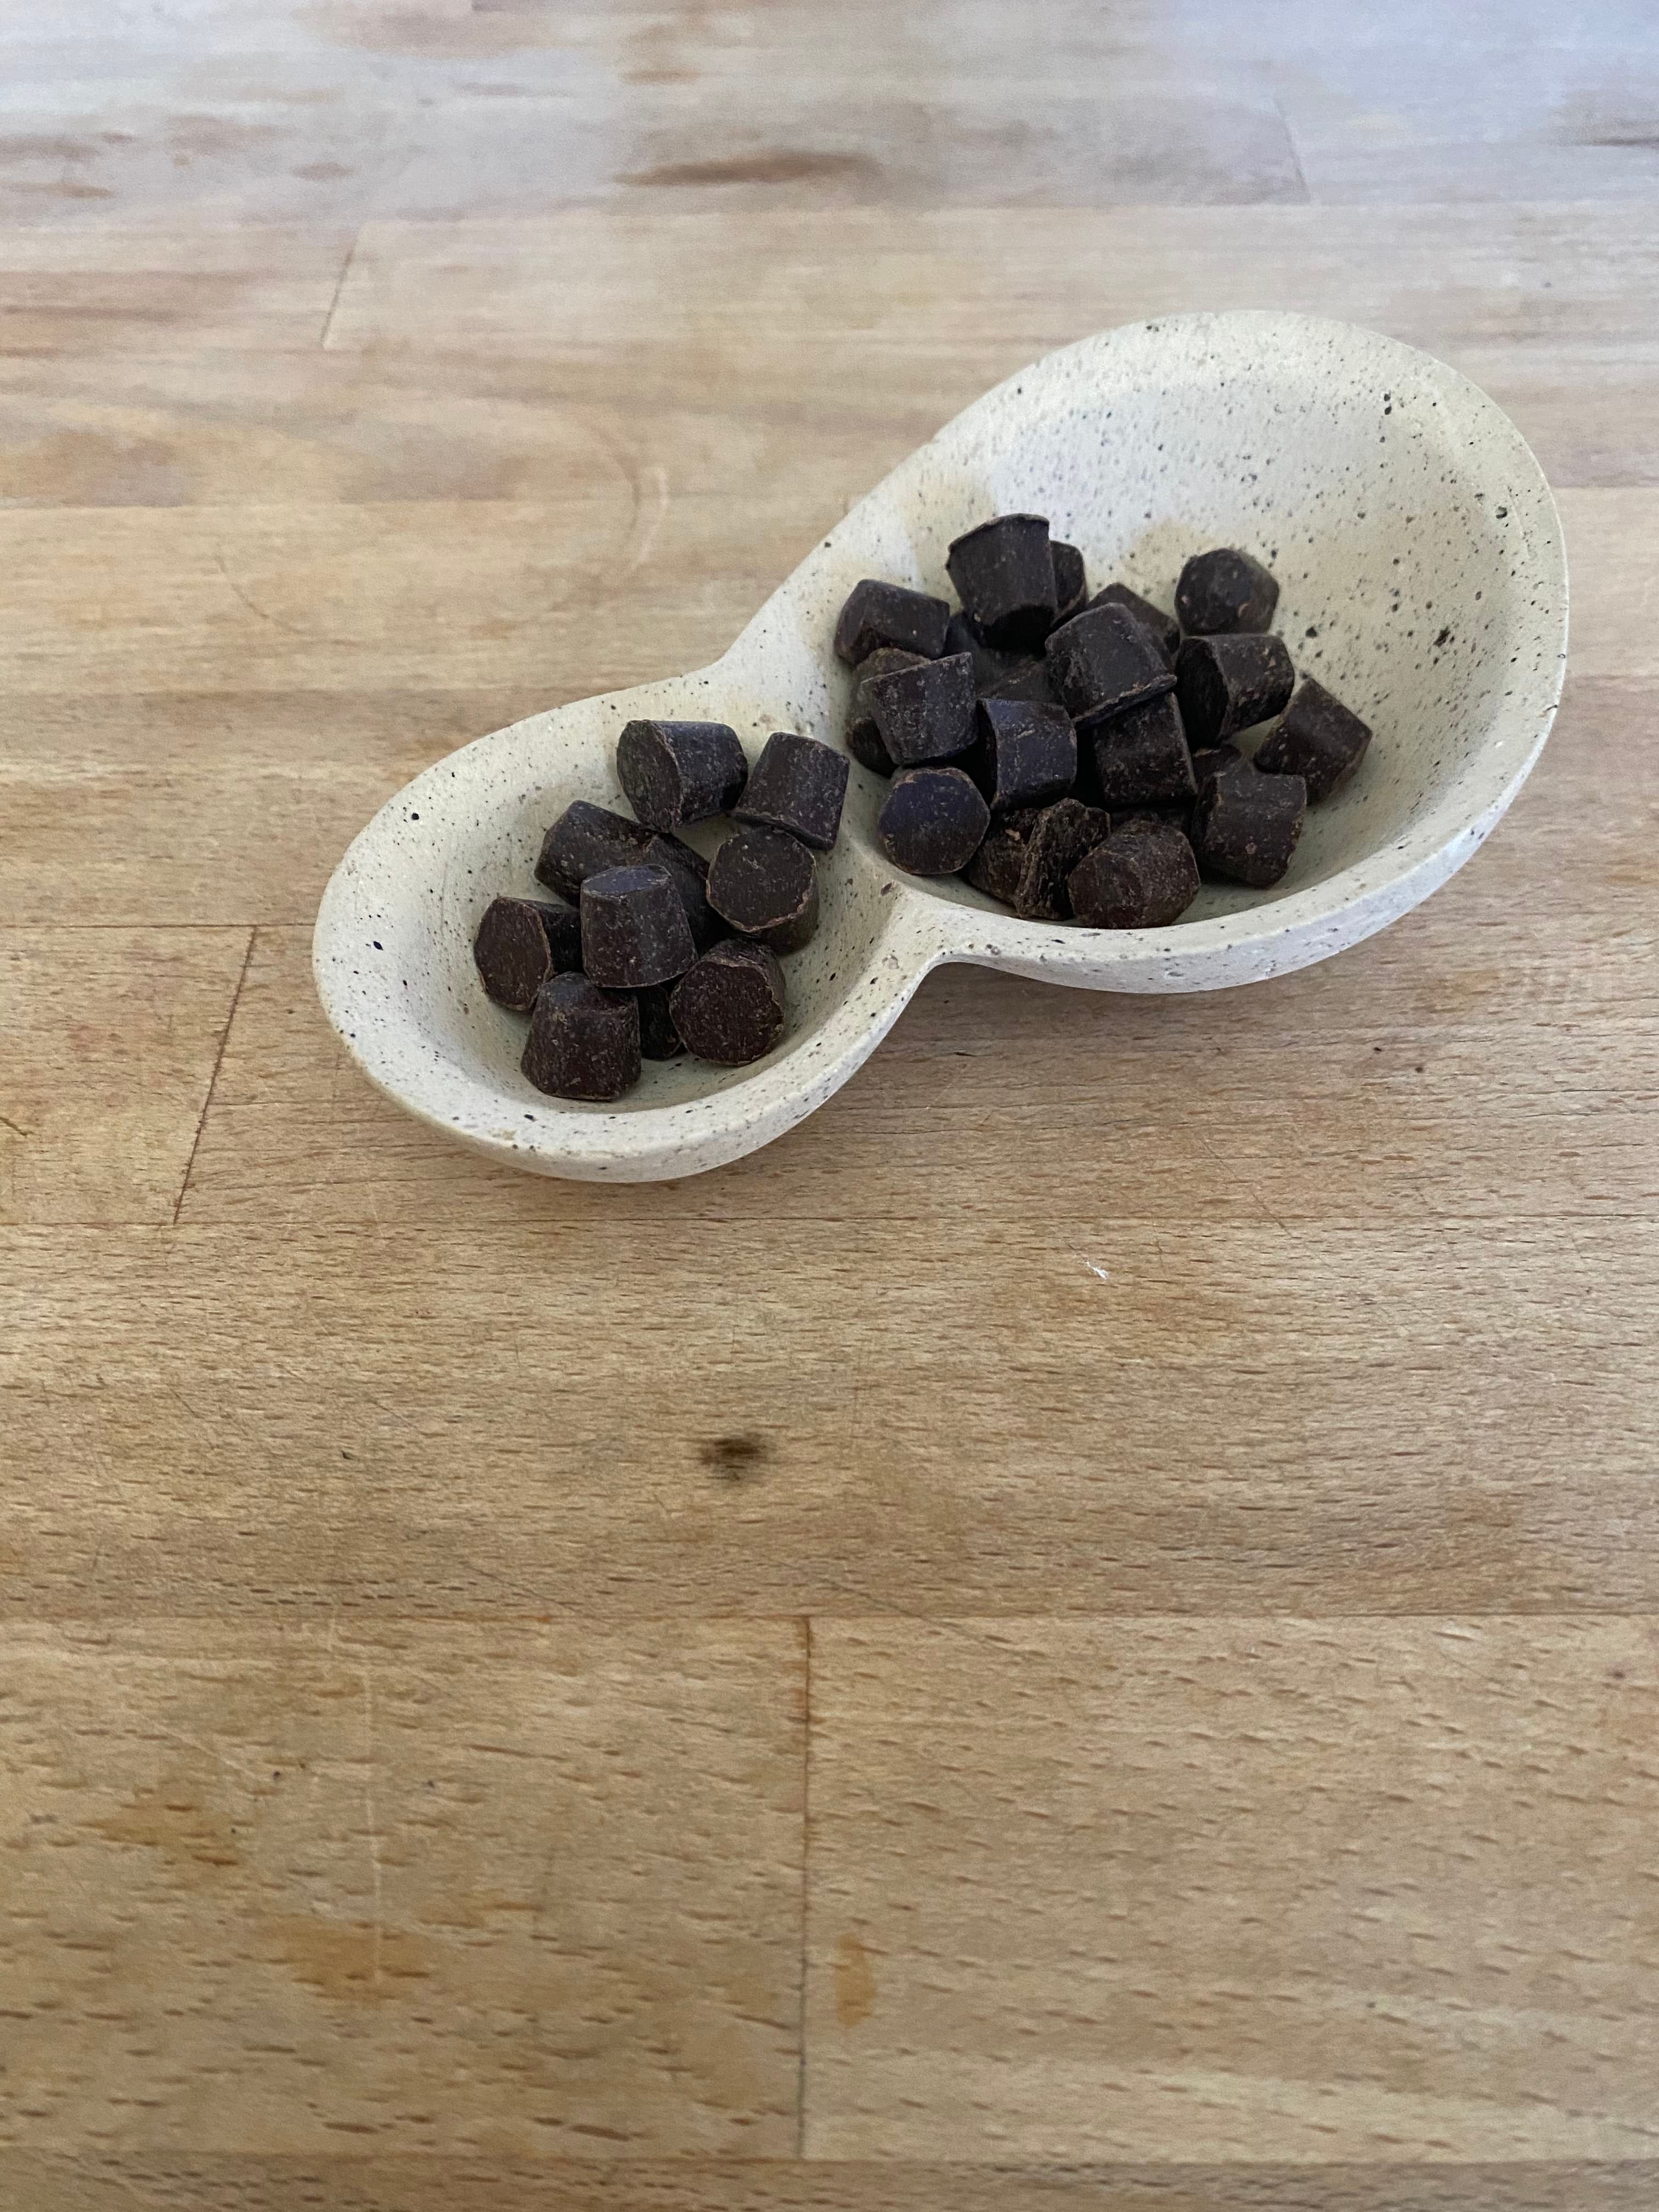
x: 1319, y: 739
x: 520, y: 943
x: 658, y: 1038
x: 1063, y: 835
x: 890, y: 614
x: 690, y: 873
x: 864, y: 739
x: 584, y: 1042
x: 797, y: 785
x: 1245, y: 824
x: 1230, y: 683
x: 679, y: 772
x: 924, y: 713
x: 991, y: 667
x: 633, y: 928
x: 1164, y: 628
x: 1103, y: 662
x: 1225, y: 590
x: 1206, y: 759
x: 932, y: 821
x: 995, y: 869
x: 1140, y: 878
x: 1071, y: 580
x: 729, y: 1007
x: 1004, y: 574
x: 585, y: 839
x: 1026, y: 755
x: 763, y: 882
x: 1027, y: 679
x: 1140, y: 758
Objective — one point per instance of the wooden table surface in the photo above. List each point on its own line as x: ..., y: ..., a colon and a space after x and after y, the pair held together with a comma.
x: 1084, y: 1629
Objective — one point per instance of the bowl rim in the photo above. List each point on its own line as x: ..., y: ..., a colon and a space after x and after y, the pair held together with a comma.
x: 923, y: 930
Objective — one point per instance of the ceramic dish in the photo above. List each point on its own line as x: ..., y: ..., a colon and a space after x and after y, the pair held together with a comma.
x: 1422, y: 578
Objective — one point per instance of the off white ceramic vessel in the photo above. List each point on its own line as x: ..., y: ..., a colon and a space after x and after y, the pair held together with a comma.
x: 1422, y: 578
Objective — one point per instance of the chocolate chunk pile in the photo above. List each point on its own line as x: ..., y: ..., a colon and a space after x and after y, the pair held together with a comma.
x: 658, y: 951
x: 1071, y: 754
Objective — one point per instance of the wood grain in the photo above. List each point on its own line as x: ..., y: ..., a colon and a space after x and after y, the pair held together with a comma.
x: 292, y: 1893
x: 1081, y: 1630
x: 113, y: 1040
x: 1063, y: 1905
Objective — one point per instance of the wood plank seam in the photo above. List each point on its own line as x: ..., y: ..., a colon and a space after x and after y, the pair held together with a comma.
x: 345, y: 272
x: 218, y: 1062
x: 805, y: 1877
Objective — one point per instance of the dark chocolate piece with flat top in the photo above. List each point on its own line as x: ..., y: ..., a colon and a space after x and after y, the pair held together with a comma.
x: 995, y: 869
x: 1228, y: 683
x: 798, y: 785
x: 932, y: 821
x: 1140, y: 758
x: 678, y: 772
x: 729, y: 1008
x: 1245, y: 824
x: 1004, y: 573
x: 519, y: 943
x: 1142, y: 877
x: 658, y: 1038
x: 878, y: 613
x: 1225, y: 590
x: 1103, y: 662
x: 584, y: 839
x: 864, y: 739
x: 924, y: 713
x: 633, y: 928
x: 765, y: 884
x: 1164, y: 628
x: 584, y: 1042
x: 1026, y: 754
x: 1318, y: 739
x: 1071, y: 580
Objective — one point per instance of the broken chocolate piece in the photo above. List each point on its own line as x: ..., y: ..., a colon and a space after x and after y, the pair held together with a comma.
x: 864, y: 739
x: 729, y: 1007
x: 995, y: 869
x: 658, y: 1038
x: 763, y: 882
x: 1140, y: 758
x: 1071, y: 580
x: 584, y: 839
x: 633, y: 928
x: 1103, y: 662
x: 1245, y: 824
x: 1063, y: 835
x: 520, y: 943
x: 932, y: 821
x: 1229, y: 684
x: 1318, y: 739
x: 1004, y: 574
x: 1164, y: 628
x: 1026, y: 755
x: 1140, y: 878
x: 797, y: 785
x: 1225, y: 590
x: 878, y: 614
x: 584, y: 1042
x: 924, y: 713
x: 679, y: 772
x: 690, y: 873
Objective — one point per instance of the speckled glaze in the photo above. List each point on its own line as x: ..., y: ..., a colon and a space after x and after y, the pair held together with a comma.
x: 1422, y: 579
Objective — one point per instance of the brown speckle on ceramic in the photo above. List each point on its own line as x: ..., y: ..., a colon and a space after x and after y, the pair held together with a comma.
x: 1422, y: 579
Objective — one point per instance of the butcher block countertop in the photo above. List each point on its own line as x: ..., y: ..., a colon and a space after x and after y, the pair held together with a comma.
x: 1084, y: 1629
